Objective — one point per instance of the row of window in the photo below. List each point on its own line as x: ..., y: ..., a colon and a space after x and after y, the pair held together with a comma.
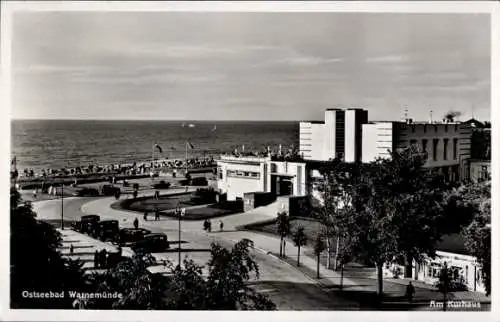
x: 243, y: 174
x: 435, y: 144
x: 435, y: 127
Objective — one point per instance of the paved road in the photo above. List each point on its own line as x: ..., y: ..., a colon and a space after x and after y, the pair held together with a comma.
x: 287, y: 287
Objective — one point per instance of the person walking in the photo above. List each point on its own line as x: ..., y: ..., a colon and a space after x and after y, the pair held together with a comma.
x: 410, y: 292
x: 209, y: 226
x: 221, y: 225
x: 136, y: 223
x: 145, y: 216
x: 71, y: 249
x: 157, y: 214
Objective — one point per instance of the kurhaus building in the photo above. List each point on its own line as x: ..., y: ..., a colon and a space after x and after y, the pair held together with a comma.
x: 347, y: 134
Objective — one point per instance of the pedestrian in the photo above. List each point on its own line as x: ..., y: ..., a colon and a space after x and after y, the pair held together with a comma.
x: 146, y: 216
x: 71, y: 249
x: 209, y: 226
x: 96, y: 259
x: 221, y: 225
x: 410, y: 291
x: 136, y: 223
x: 205, y: 225
x: 157, y: 214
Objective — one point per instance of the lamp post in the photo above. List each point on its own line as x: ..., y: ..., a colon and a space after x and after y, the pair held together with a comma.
x: 178, y: 210
x: 62, y: 205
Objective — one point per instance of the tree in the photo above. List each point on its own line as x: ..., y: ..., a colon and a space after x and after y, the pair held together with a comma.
x: 283, y: 227
x: 319, y: 247
x: 187, y: 287
x: 391, y: 209
x: 478, y: 233
x: 299, y: 239
x: 35, y: 263
x: 444, y: 283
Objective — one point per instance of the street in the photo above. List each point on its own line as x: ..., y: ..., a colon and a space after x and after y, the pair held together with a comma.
x: 289, y: 288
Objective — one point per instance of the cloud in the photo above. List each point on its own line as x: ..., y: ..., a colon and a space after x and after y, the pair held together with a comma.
x: 387, y: 59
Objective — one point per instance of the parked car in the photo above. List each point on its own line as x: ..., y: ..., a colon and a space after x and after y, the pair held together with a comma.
x: 86, y: 224
x: 109, y: 190
x: 107, y: 230
x: 86, y: 192
x: 198, y: 181
x: 162, y: 185
x: 152, y: 243
x: 130, y: 236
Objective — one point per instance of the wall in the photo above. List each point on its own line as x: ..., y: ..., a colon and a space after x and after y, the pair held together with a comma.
x: 329, y: 134
x: 311, y: 140
x: 406, y: 133
x: 236, y: 186
x: 377, y: 139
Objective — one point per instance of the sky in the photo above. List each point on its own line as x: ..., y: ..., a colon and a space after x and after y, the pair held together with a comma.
x: 248, y: 66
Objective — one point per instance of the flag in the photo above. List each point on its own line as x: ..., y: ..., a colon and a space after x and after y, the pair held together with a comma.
x: 190, y: 145
x: 159, y: 148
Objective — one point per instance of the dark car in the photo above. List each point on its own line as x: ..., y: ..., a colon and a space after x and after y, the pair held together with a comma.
x: 86, y: 192
x: 152, y: 243
x: 198, y: 181
x: 107, y: 230
x: 130, y: 236
x: 162, y: 185
x: 86, y: 224
x: 109, y: 190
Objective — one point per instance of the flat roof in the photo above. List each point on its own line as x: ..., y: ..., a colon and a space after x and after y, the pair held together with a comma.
x: 453, y: 243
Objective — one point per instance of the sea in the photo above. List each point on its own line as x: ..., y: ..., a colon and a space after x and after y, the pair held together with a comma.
x: 55, y: 144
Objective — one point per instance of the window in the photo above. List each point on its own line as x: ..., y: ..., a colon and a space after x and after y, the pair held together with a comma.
x: 413, y: 128
x: 446, y: 127
x: 456, y: 127
x: 455, y: 146
x: 445, y: 149
x: 435, y: 128
x: 424, y: 145
x: 435, y: 143
x: 425, y: 128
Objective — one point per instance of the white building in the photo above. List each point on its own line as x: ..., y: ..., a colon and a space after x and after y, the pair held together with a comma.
x: 347, y: 134
x: 237, y: 175
x: 451, y: 251
x: 338, y: 136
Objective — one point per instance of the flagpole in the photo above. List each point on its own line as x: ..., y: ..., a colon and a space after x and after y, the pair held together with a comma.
x: 186, y: 159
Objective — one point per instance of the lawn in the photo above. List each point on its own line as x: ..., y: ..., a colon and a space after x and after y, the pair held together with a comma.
x: 212, y: 211
x: 311, y: 227
x: 165, y: 202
